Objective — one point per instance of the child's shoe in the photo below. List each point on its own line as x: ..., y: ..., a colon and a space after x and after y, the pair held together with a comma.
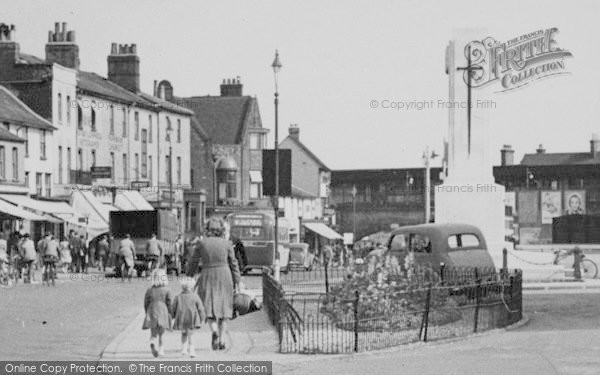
x: 161, y: 351
x: 184, y: 349
x: 192, y: 351
x: 153, y: 348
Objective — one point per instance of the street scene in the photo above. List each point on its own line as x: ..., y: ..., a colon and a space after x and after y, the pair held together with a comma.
x: 296, y: 188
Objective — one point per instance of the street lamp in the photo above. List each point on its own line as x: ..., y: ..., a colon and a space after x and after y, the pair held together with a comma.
x: 276, y: 65
x: 426, y: 158
x: 169, y: 134
x: 354, y: 213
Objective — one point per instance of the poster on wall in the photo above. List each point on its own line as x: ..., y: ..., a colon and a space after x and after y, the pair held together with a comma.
x: 574, y: 202
x: 551, y: 206
x: 529, y: 236
x: 529, y: 207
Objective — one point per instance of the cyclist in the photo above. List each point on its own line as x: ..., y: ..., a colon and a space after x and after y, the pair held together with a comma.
x: 50, y: 256
x: 28, y: 254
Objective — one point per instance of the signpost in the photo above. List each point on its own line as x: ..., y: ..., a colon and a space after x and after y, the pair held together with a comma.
x: 137, y: 185
x: 101, y: 172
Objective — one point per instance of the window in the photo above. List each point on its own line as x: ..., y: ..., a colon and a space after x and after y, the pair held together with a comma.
x: 48, y: 183
x: 112, y: 119
x: 68, y: 110
x: 60, y: 165
x: 150, y: 168
x: 420, y: 243
x: 137, y: 166
x: 192, y: 178
x: 227, y: 186
x: 124, y: 122
x: 398, y: 243
x: 43, y: 144
x: 167, y: 136
x: 24, y: 133
x: 38, y: 184
x: 93, y: 117
x: 59, y: 108
x: 255, y: 184
x: 93, y: 158
x: 149, y: 128
x: 178, y: 170
x: 79, y: 117
x: 69, y: 165
x: 79, y: 159
x: 15, y: 164
x: 2, y: 163
x: 458, y: 241
x: 256, y: 141
x: 144, y: 153
x: 125, y: 169
x: 178, y: 131
x: 136, y: 135
x: 112, y: 167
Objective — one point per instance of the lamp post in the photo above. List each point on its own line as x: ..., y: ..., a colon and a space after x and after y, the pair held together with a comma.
x: 426, y: 158
x: 354, y: 213
x: 276, y: 65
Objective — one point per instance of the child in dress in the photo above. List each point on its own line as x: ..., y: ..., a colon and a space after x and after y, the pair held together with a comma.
x: 188, y: 314
x: 157, y: 303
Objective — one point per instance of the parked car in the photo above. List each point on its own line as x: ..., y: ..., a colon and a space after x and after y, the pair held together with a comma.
x: 454, y: 244
x: 301, y: 256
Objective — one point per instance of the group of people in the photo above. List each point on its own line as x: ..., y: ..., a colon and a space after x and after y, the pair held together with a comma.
x: 206, y: 297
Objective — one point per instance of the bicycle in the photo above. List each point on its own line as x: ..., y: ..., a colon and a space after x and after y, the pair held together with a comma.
x: 589, y: 268
x: 49, y: 270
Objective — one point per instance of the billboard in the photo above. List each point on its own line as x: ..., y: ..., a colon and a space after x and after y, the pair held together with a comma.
x: 285, y: 172
x: 574, y: 202
x: 551, y: 206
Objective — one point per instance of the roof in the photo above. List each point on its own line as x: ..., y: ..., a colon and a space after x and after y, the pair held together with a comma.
x: 223, y: 117
x: 15, y: 111
x: 307, y: 151
x: 559, y: 158
x: 30, y: 59
x: 5, y: 135
x: 166, y: 105
x: 300, y: 193
x: 199, y: 129
x: 100, y: 86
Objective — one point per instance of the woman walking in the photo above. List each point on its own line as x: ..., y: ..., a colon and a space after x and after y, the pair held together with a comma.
x: 219, y: 276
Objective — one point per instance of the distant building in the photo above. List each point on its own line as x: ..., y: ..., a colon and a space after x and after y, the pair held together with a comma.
x: 231, y: 124
x: 547, y: 185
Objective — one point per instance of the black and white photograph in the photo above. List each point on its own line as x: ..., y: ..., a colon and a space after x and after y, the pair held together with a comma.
x: 299, y: 187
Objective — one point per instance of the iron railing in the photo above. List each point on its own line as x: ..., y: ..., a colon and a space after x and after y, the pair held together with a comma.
x: 312, y: 316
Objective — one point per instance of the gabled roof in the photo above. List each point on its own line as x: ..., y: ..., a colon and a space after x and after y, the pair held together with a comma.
x: 559, y: 158
x: 15, y: 111
x: 307, y: 151
x: 94, y: 84
x: 301, y: 193
x: 199, y: 129
x: 165, y: 105
x: 223, y: 117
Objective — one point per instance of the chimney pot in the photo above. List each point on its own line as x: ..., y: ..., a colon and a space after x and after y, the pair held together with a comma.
x: 113, y: 49
x: 507, y: 155
x: 155, y: 85
x: 595, y: 145
x: 540, y: 149
x: 56, y: 28
x: 294, y: 131
x: 134, y: 49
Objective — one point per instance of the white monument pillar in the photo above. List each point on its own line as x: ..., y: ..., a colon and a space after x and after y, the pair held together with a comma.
x: 469, y: 194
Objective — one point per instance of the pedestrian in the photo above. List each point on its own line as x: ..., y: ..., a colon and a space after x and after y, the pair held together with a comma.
x: 157, y: 304
x: 218, y: 279
x: 127, y: 256
x: 103, y: 250
x: 154, y: 252
x: 82, y: 255
x: 188, y: 315
x: 91, y: 251
x: 65, y: 255
x: 28, y: 254
x: 73, y: 240
x: 41, y: 249
x: 50, y: 255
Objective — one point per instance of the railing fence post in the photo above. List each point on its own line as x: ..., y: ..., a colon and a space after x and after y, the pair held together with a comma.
x: 326, y: 276
x: 425, y: 319
x: 356, y: 300
x: 504, y: 262
x: 442, y: 267
x: 477, y: 300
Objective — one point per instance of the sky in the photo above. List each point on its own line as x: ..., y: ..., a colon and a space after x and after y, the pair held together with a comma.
x: 338, y: 57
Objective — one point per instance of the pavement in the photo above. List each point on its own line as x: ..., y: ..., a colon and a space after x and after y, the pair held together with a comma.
x: 252, y: 337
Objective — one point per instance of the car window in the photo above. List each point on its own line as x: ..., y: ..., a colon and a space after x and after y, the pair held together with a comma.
x: 398, y: 243
x: 420, y: 243
x: 457, y: 241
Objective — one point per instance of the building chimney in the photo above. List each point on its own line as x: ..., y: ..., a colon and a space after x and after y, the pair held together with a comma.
x: 154, y: 91
x: 231, y: 87
x: 165, y: 90
x: 507, y: 155
x: 595, y: 145
x: 294, y: 131
x: 124, y: 66
x: 540, y: 149
x: 61, y: 47
x: 9, y: 48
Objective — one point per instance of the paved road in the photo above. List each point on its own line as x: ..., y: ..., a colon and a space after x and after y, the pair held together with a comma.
x: 561, y: 337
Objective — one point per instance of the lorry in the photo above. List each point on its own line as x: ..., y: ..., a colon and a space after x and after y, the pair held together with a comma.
x: 140, y: 225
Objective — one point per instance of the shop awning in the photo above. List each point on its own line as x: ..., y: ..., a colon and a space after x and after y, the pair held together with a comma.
x: 51, y: 207
x: 323, y: 230
x: 131, y: 200
x: 256, y: 177
x: 18, y: 213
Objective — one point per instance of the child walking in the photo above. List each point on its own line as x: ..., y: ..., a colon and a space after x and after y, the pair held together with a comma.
x: 188, y: 314
x: 157, y: 303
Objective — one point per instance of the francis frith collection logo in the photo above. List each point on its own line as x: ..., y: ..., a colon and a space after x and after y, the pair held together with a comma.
x: 517, y: 62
